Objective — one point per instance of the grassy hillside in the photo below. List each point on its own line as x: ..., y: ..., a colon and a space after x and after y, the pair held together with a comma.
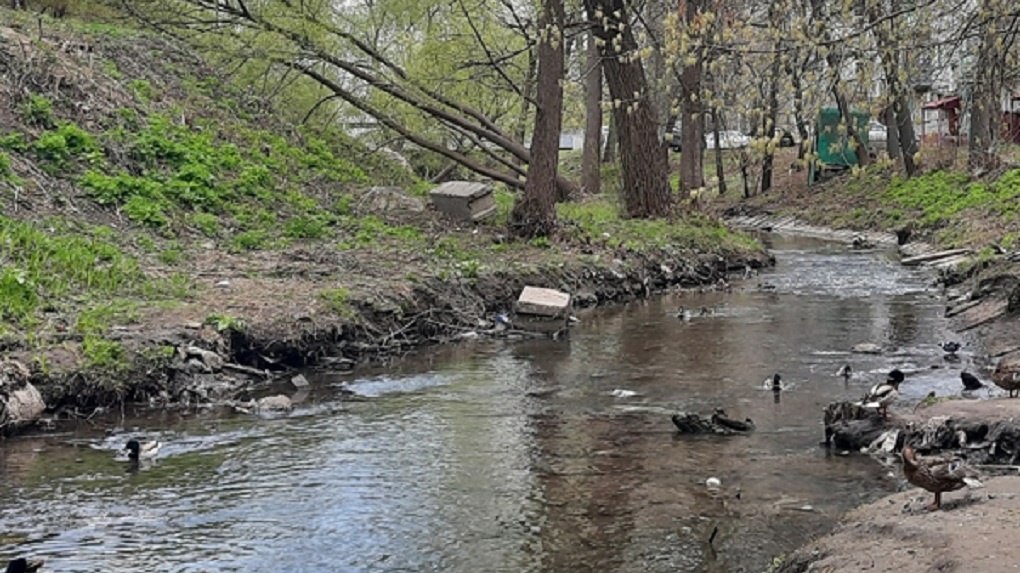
x: 143, y: 193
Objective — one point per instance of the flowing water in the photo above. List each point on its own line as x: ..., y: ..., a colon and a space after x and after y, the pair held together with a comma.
x: 512, y: 456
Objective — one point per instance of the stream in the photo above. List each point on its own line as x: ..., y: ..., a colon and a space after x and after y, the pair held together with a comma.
x: 513, y: 456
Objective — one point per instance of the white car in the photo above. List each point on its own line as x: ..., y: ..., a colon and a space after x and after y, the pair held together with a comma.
x: 728, y: 139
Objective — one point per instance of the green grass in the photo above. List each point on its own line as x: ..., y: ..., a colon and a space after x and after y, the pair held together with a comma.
x: 79, y: 273
x: 598, y: 220
x: 941, y: 196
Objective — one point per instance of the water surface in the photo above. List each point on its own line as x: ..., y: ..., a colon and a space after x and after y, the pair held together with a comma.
x: 512, y: 456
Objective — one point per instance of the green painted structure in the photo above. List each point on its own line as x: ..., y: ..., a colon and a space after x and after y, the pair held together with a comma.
x: 831, y: 144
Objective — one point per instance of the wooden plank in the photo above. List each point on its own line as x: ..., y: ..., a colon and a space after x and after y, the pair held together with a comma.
x: 929, y: 257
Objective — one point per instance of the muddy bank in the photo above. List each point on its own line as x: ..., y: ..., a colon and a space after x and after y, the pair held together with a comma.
x: 975, y: 531
x: 181, y: 358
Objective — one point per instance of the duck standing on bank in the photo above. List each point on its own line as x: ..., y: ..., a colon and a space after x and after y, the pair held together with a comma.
x: 970, y: 382
x: 1007, y: 377
x: 881, y: 395
x: 22, y: 565
x: 937, y: 475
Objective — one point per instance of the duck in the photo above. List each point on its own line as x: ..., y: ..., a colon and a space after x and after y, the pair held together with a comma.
x: 720, y: 418
x: 970, y: 382
x: 950, y: 347
x: 881, y: 395
x: 774, y: 383
x: 22, y: 565
x: 1007, y: 378
x: 937, y: 474
x: 683, y: 314
x: 142, y: 450
x: 846, y: 371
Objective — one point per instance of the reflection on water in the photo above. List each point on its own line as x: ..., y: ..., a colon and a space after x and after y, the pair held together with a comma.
x: 516, y: 457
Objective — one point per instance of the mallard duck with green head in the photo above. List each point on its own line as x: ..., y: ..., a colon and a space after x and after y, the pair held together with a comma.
x: 882, y: 395
x: 137, y: 451
x: 938, y: 474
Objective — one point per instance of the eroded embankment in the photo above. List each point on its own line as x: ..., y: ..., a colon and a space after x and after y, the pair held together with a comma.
x: 180, y: 359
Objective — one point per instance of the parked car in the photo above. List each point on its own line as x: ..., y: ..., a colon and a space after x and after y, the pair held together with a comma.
x: 877, y: 133
x: 728, y: 139
x: 786, y: 139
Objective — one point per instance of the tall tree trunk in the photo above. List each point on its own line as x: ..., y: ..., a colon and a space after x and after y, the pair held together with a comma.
x: 768, y: 161
x: 985, y: 95
x: 901, y: 140
x: 798, y: 108
x: 526, y: 95
x: 905, y: 133
x: 720, y: 170
x: 612, y: 142
x: 692, y: 132
x: 643, y: 158
x: 534, y: 214
x: 591, y: 178
x: 892, y: 133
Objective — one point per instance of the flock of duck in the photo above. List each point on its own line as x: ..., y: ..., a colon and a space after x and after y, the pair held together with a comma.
x: 936, y: 474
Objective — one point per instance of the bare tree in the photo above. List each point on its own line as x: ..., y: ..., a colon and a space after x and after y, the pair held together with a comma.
x: 534, y: 214
x: 643, y: 159
x: 591, y: 179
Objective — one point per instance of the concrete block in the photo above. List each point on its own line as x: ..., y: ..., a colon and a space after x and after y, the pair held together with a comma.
x: 545, y: 302
x: 464, y: 200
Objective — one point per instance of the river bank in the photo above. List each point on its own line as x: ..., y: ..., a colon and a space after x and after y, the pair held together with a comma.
x: 942, y: 221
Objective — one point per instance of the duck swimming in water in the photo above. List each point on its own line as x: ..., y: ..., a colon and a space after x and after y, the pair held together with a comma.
x: 881, y: 395
x: 937, y: 475
x: 683, y: 314
x: 950, y: 347
x: 22, y: 565
x: 970, y: 382
x: 720, y: 418
x: 846, y: 371
x: 774, y: 383
x: 141, y: 450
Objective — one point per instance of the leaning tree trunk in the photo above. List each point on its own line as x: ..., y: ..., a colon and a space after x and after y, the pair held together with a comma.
x: 720, y: 170
x: 591, y: 179
x: 534, y: 214
x: 643, y: 158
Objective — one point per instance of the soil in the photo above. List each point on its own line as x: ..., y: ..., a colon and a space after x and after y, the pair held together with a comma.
x: 974, y: 531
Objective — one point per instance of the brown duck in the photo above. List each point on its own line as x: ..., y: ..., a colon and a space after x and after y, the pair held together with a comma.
x: 937, y: 475
x: 1007, y: 377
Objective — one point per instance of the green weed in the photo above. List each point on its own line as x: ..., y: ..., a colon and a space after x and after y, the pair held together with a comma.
x: 223, y: 322
x: 39, y: 111
x: 337, y: 301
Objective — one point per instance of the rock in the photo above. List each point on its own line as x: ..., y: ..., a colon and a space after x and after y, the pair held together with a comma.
x: 20, y: 401
x: 867, y: 348
x: 299, y: 381
x: 543, y: 302
x: 392, y: 199
x: 214, y: 362
x: 278, y: 403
